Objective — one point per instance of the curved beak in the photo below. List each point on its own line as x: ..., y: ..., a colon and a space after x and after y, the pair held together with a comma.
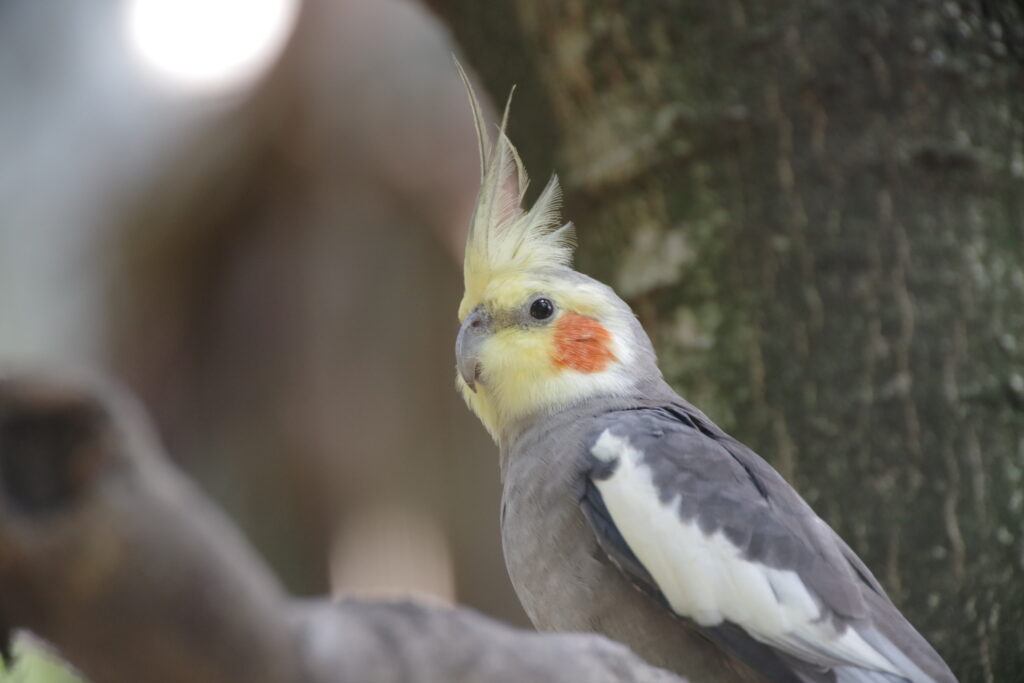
x: 475, y: 330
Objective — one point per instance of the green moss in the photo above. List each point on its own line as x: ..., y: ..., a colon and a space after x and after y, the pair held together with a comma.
x: 34, y: 664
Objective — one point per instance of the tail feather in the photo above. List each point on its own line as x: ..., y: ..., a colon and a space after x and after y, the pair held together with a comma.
x: 855, y: 674
x: 913, y: 656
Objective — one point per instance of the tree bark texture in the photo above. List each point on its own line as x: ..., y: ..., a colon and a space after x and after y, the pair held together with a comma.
x: 817, y: 210
x: 118, y: 561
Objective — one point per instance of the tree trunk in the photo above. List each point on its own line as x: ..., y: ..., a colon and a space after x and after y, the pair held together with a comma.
x: 816, y: 209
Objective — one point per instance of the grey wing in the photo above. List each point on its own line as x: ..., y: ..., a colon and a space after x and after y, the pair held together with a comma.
x: 729, y: 637
x: 704, y: 525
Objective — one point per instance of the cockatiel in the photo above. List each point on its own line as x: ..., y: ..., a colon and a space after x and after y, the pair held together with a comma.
x: 613, y: 483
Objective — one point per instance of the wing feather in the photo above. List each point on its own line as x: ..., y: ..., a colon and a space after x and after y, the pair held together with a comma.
x: 704, y: 525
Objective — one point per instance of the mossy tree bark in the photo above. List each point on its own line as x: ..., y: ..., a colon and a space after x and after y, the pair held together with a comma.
x: 817, y: 209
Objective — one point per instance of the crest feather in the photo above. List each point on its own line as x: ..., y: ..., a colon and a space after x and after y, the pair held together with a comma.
x: 504, y: 237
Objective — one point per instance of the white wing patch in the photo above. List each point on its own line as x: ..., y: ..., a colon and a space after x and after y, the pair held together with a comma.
x: 705, y: 578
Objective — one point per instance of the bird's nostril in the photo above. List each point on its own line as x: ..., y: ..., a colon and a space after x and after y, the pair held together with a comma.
x: 476, y: 324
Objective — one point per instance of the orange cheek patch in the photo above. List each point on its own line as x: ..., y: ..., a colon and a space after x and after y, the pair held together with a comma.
x: 582, y: 344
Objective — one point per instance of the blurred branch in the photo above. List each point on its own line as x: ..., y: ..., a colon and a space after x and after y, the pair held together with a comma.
x: 112, y: 556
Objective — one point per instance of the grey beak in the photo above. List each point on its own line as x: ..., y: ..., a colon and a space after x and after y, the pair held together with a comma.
x: 476, y: 328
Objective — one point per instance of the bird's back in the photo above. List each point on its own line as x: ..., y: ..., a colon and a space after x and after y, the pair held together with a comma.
x: 574, y: 569
x: 564, y: 580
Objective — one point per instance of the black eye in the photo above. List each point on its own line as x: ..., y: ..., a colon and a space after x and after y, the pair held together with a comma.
x: 541, y: 309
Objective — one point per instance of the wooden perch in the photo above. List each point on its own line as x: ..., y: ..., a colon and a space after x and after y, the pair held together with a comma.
x: 107, y: 552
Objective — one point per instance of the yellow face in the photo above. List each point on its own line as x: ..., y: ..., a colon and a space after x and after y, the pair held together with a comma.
x: 535, y: 335
x: 535, y: 343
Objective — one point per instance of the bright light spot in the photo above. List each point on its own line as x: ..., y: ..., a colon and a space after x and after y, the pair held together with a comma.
x: 209, y: 44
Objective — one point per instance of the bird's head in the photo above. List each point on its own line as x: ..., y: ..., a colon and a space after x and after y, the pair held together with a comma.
x: 536, y: 336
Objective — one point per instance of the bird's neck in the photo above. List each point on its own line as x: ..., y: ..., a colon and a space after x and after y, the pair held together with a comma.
x: 531, y: 432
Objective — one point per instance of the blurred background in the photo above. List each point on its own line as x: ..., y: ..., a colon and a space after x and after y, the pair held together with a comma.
x: 252, y: 213
x: 262, y: 237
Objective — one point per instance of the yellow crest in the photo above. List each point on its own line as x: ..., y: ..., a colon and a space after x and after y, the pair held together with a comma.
x: 504, y: 239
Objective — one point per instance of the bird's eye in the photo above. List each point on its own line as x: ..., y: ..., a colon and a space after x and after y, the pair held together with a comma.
x: 542, y: 309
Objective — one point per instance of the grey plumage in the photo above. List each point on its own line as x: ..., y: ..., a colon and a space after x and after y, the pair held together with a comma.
x: 574, y: 568
x: 626, y: 511
x: 563, y: 578
x: 570, y: 563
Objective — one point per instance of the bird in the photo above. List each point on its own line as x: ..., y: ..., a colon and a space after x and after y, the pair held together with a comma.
x: 625, y: 509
